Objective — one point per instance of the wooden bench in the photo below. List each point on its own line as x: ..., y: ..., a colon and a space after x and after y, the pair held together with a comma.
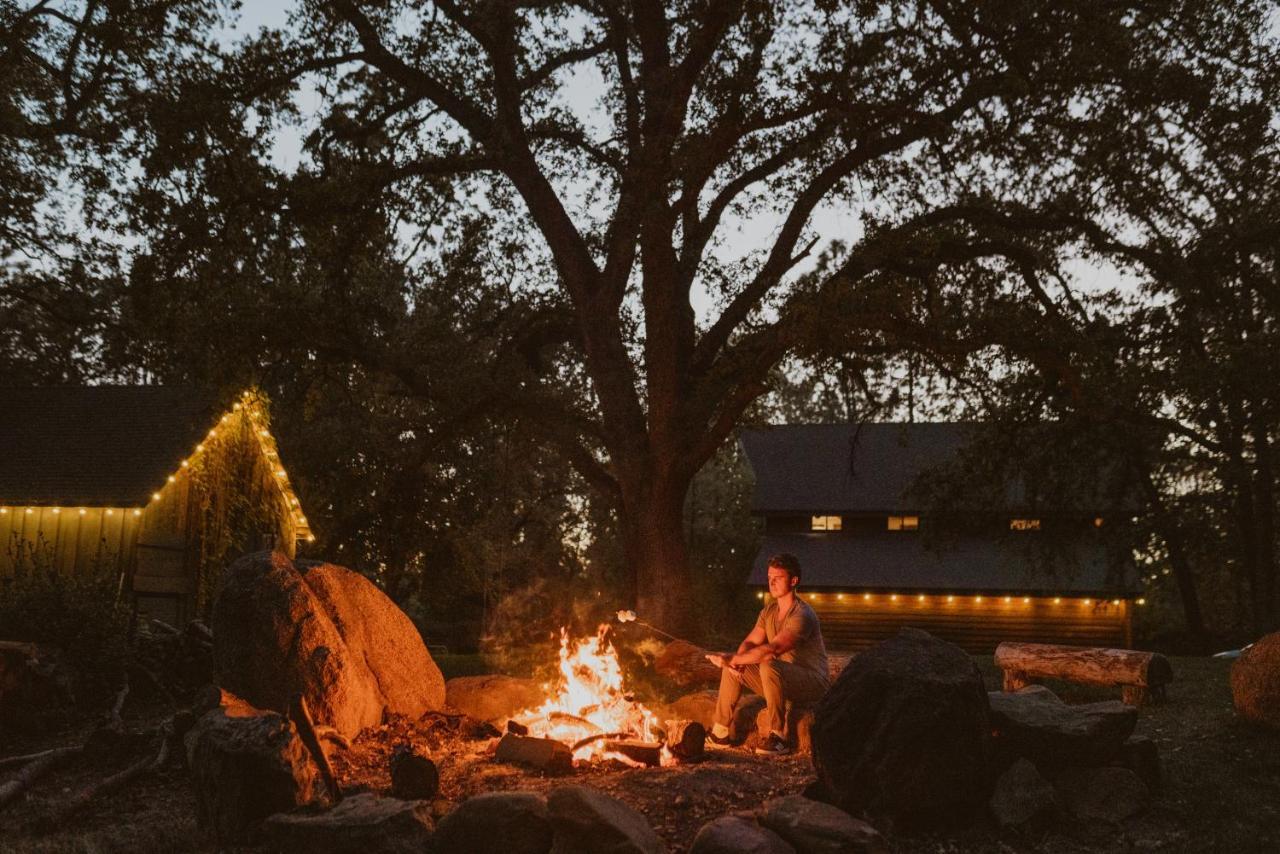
x: 1139, y: 674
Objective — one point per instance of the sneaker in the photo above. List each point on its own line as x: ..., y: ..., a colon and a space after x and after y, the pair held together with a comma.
x: 720, y: 740
x: 774, y: 745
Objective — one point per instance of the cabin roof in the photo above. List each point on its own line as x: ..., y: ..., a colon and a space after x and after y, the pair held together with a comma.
x: 905, y: 562
x: 109, y: 445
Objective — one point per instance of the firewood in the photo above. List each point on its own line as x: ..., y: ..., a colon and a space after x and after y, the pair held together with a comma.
x: 328, y: 733
x: 566, y: 719
x: 686, y: 739
x: 516, y: 728
x: 545, y: 754
x: 301, y: 718
x: 34, y: 770
x: 646, y: 752
x: 116, y: 781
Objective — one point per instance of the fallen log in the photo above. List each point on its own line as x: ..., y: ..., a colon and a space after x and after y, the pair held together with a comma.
x: 1136, y: 673
x: 301, y: 717
x: 116, y: 781
x: 686, y: 665
x: 12, y: 761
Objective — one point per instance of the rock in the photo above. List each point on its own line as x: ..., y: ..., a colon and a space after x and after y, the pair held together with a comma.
x: 496, y: 823
x: 904, y: 734
x: 1022, y: 796
x: 545, y: 754
x: 361, y: 824
x: 1140, y: 755
x: 1103, y: 794
x: 686, y: 664
x: 281, y: 628
x: 1033, y: 723
x: 246, y: 764
x: 1255, y: 682
x: 413, y: 776
x: 36, y: 688
x: 731, y: 834
x: 586, y: 820
x: 494, y: 697
x: 816, y: 828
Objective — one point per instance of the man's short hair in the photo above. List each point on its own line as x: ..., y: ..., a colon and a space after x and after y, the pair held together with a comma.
x: 787, y: 561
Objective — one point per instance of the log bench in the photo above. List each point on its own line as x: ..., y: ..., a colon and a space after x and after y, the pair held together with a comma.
x: 1139, y: 674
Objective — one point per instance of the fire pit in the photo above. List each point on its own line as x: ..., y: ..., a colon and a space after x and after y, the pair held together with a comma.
x: 592, y: 718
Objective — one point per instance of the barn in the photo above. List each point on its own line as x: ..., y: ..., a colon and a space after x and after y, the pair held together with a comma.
x: 844, y: 499
x: 157, y: 485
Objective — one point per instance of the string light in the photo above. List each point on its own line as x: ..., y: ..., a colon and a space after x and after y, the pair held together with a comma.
x: 30, y: 511
x: 977, y: 598
x: 137, y: 512
x: 1008, y: 599
x: 1026, y: 600
x: 1057, y: 600
x: 57, y: 510
x: 155, y: 496
x: 110, y: 512
x: 83, y: 511
x: 894, y: 597
x: 920, y: 598
x: 1140, y: 601
x: 866, y: 597
x: 4, y: 511
x: 1088, y: 601
x: 951, y: 598
x: 1115, y: 601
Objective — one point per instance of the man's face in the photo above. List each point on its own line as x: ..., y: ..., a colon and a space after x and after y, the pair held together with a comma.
x: 780, y: 582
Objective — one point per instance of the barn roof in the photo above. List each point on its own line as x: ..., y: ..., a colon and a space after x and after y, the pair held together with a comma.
x: 905, y: 562
x: 873, y: 468
x: 816, y: 468
x: 96, y: 445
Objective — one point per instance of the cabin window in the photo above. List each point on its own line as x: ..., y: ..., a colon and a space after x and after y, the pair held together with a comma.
x: 904, y: 523
x: 825, y: 523
x: 1097, y: 521
x: 1024, y: 524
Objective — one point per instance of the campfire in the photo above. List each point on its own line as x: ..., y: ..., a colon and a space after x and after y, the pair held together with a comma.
x: 594, y: 718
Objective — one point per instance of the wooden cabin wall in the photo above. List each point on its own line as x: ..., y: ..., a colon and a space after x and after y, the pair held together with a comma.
x: 852, y: 623
x: 73, y: 540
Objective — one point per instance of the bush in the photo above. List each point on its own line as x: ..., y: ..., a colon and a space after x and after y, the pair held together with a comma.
x: 79, y: 615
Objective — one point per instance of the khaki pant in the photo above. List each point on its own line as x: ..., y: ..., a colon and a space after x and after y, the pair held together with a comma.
x: 775, y: 680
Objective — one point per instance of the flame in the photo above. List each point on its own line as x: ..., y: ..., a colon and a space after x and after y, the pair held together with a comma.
x: 589, y: 700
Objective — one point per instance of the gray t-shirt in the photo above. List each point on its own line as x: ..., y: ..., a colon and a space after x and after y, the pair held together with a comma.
x: 809, y: 652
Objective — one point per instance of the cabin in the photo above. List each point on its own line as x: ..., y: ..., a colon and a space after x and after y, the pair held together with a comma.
x: 156, y: 486
x: 845, y: 499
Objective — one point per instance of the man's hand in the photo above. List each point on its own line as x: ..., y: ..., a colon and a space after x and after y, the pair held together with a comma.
x: 718, y: 660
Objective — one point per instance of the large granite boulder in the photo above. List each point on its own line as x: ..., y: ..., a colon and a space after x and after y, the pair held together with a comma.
x: 816, y: 828
x: 282, y: 628
x: 493, y: 697
x: 585, y: 819
x: 1034, y: 724
x: 496, y: 823
x: 246, y: 764
x: 361, y: 824
x: 731, y: 834
x: 904, y: 734
x: 1255, y: 682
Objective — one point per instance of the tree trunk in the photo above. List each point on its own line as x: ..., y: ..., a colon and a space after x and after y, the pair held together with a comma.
x: 1183, y: 574
x: 657, y: 554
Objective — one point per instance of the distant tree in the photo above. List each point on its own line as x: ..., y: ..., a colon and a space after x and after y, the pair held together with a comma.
x: 940, y: 123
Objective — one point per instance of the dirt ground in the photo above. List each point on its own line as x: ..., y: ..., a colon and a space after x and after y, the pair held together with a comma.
x: 1222, y: 789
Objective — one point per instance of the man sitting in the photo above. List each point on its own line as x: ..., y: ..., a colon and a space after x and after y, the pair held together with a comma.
x: 783, y: 659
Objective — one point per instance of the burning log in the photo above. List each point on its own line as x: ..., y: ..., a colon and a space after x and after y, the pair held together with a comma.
x: 686, y: 740
x: 645, y: 752
x: 413, y: 776
x: 545, y: 754
x: 516, y: 728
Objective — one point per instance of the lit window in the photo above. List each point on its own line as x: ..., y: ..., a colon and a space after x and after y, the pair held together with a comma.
x: 1024, y: 524
x: 1097, y: 521
x: 825, y: 523
x: 904, y: 523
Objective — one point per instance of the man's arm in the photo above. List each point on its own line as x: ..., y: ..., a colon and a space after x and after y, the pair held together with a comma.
x: 781, y: 645
x: 754, y: 639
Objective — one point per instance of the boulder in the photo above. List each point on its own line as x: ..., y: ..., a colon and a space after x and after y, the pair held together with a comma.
x: 731, y: 834
x: 587, y: 820
x: 36, y: 688
x: 816, y: 828
x: 494, y: 697
x: 904, y: 734
x: 1140, y: 755
x: 361, y: 824
x: 1255, y: 682
x: 496, y: 823
x: 1103, y: 794
x: 282, y: 628
x: 799, y: 723
x: 1022, y: 796
x: 1033, y: 723
x: 246, y: 764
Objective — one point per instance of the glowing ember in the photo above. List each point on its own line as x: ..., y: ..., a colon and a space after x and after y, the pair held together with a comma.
x: 590, y: 705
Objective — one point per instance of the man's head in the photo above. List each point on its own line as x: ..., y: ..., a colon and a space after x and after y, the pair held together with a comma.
x: 784, y: 574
